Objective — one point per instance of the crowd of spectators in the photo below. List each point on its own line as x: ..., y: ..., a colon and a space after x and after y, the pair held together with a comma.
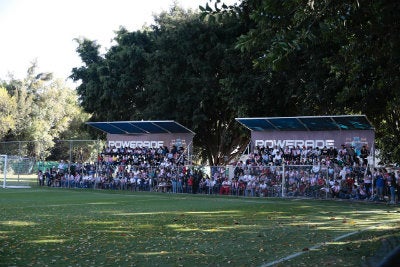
x: 138, y: 168
x: 318, y: 172
x: 309, y: 172
x: 345, y: 155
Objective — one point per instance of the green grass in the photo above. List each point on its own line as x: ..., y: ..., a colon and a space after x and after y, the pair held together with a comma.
x: 60, y: 227
x: 19, y: 180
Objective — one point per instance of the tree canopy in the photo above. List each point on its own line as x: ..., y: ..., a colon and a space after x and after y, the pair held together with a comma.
x: 329, y: 57
x: 39, y: 109
x: 255, y: 58
x: 179, y: 70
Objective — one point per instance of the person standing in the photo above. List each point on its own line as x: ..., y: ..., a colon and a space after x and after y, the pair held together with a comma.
x: 190, y: 184
x: 41, y: 178
x: 179, y: 184
x: 48, y: 177
x: 174, y: 184
x: 364, y: 153
x: 392, y: 187
x: 397, y: 175
x: 225, y: 187
x: 368, y: 183
x: 380, y: 184
x: 235, y: 187
x: 335, y: 190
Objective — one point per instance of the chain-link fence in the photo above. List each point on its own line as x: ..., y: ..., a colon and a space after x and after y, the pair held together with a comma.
x: 80, y: 164
x: 306, y: 181
x: 248, y: 181
x: 278, y: 181
x: 17, y: 171
x: 67, y: 150
x: 18, y: 148
x: 26, y: 158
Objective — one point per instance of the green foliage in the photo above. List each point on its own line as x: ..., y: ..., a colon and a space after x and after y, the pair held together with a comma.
x: 178, y: 70
x: 7, y: 108
x: 109, y: 86
x: 252, y: 59
x: 328, y: 57
x: 184, y: 80
x: 44, y: 109
x: 88, y: 75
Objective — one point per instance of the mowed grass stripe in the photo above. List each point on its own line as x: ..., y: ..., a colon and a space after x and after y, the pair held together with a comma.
x: 103, y: 228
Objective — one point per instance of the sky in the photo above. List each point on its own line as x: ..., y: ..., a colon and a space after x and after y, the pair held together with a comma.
x: 44, y: 30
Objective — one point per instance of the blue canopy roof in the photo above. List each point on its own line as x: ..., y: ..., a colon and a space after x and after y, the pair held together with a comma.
x: 140, y: 127
x: 307, y: 123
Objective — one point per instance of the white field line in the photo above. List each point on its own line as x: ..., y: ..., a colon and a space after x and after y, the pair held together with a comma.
x: 294, y: 255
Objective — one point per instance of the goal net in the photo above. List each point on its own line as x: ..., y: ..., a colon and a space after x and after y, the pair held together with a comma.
x: 16, y: 172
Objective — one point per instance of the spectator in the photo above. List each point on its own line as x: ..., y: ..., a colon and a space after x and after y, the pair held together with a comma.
x: 362, y: 192
x: 380, y: 184
x: 225, y: 187
x: 41, y: 178
x: 392, y: 183
x: 335, y: 190
x: 190, y: 184
x: 398, y: 185
x: 364, y: 153
x: 278, y: 158
x: 140, y: 168
x: 368, y: 182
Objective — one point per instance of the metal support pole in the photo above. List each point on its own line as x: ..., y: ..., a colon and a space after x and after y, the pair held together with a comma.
x: 5, y: 171
x: 19, y: 161
x: 70, y: 160
x: 283, y: 180
x: 326, y: 182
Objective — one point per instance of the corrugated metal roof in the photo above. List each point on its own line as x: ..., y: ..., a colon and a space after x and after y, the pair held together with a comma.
x: 140, y: 127
x: 307, y: 123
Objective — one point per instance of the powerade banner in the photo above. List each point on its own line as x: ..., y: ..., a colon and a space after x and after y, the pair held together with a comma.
x: 355, y: 138
x: 149, y: 140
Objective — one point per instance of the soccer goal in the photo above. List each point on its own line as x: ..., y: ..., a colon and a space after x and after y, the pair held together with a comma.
x: 7, y: 172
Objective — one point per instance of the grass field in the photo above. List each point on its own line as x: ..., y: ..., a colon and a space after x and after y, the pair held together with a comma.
x: 19, y: 180
x: 60, y: 227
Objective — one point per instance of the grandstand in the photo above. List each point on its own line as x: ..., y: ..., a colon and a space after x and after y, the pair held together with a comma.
x: 302, y: 160
x: 317, y: 157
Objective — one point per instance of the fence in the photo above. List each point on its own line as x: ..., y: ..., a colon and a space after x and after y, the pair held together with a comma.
x: 282, y: 181
x: 17, y: 171
x: 26, y: 158
x: 80, y: 169
x: 308, y: 181
x: 259, y: 181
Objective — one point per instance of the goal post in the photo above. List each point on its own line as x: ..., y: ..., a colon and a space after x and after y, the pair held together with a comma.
x: 3, y: 158
x: 16, y: 172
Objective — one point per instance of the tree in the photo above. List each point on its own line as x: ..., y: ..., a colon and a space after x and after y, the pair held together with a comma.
x: 179, y: 70
x: 7, y: 108
x: 44, y: 107
x: 110, y: 84
x: 89, y: 89
x: 187, y: 80
x: 328, y: 57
